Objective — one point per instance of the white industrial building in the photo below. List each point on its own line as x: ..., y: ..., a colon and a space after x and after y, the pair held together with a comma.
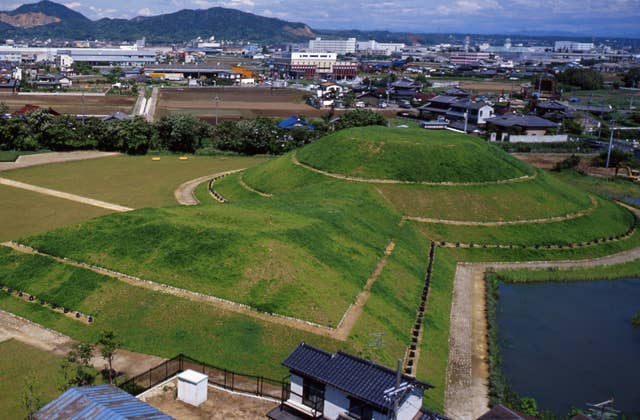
x: 65, y: 57
x: 338, y: 46
x: 374, y: 47
x: 571, y: 46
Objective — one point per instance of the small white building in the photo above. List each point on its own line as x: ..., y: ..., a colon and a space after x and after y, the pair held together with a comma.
x: 192, y: 387
x: 340, y: 385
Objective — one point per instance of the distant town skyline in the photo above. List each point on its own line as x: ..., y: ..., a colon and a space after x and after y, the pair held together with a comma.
x: 617, y: 18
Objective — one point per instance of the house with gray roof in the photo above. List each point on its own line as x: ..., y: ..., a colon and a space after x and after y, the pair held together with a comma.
x: 340, y: 385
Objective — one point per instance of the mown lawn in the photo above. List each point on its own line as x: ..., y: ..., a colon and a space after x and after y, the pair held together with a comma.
x: 133, y: 181
x: 540, y: 198
x: 606, y: 221
x: 24, y: 213
x: 411, y: 154
x: 20, y: 365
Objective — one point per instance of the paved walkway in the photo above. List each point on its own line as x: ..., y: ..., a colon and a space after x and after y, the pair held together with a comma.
x: 467, y: 392
x: 295, y: 161
x: 21, y: 329
x: 184, y: 194
x: 64, y: 195
x: 53, y: 157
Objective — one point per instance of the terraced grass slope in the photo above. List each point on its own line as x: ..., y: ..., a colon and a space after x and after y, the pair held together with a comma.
x: 306, y: 257
x: 411, y: 154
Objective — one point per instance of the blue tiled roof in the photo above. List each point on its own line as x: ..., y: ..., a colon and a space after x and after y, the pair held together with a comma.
x: 295, y: 121
x: 357, y: 377
x: 101, y: 402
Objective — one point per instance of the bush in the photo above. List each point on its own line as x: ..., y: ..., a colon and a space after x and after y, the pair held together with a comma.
x: 569, y: 163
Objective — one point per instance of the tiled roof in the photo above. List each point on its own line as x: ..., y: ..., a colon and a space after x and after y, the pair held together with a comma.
x: 527, y: 121
x: 357, y: 377
x: 97, y: 403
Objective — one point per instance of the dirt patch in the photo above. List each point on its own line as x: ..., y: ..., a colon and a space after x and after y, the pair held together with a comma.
x: 220, y: 404
x: 73, y: 104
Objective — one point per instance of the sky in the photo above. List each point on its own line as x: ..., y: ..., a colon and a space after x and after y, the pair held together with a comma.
x: 585, y: 17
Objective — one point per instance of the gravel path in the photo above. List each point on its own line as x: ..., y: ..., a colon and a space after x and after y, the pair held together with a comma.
x: 53, y: 157
x: 21, y: 329
x: 467, y: 393
x: 64, y: 195
x: 184, y: 193
x: 295, y: 161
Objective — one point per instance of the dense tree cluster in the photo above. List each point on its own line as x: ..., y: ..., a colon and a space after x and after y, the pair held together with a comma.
x: 178, y: 133
x: 585, y: 79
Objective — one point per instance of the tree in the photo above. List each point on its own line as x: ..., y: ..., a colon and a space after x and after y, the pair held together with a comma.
x: 571, y: 126
x: 529, y: 406
x: 31, y: 399
x: 632, y: 77
x: 76, y: 368
x: 4, y: 109
x: 585, y: 79
x: 109, y: 344
x: 182, y: 133
x: 360, y: 118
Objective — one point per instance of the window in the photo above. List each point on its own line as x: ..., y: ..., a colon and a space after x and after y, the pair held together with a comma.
x: 358, y: 409
x: 313, y: 394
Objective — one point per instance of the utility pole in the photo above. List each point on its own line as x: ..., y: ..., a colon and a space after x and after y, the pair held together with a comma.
x: 610, y: 143
x: 216, y: 99
x: 466, y: 115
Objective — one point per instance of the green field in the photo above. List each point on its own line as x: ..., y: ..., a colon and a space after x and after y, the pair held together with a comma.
x: 306, y: 251
x: 22, y: 364
x: 614, y: 188
x: 133, y: 181
x: 24, y: 213
x: 411, y: 154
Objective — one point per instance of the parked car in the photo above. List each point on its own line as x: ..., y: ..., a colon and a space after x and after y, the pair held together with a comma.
x: 404, y: 104
x: 360, y: 104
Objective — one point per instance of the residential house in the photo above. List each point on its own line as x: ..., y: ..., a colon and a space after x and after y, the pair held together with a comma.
x: 10, y: 86
x: 294, y: 122
x: 552, y: 110
x: 462, y: 112
x: 340, y: 385
x: 529, y: 125
x: 98, y: 402
x: 118, y: 116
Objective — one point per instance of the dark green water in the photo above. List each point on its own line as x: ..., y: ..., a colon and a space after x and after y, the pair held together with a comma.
x: 568, y: 344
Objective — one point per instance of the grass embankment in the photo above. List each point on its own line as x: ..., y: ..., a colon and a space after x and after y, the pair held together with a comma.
x: 411, y: 154
x: 306, y: 258
x: 542, y: 197
x: 382, y: 332
x: 607, y: 220
x: 133, y: 181
x: 149, y: 322
x: 20, y: 365
x: 25, y: 213
x: 610, y: 272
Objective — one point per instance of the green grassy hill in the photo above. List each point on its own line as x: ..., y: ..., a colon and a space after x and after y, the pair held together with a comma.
x: 308, y: 249
x: 411, y: 154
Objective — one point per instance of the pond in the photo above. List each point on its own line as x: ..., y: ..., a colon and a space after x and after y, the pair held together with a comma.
x: 572, y: 343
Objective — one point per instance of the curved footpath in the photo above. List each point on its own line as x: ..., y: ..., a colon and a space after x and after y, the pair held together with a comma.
x: 295, y: 161
x: 467, y: 390
x: 184, y: 193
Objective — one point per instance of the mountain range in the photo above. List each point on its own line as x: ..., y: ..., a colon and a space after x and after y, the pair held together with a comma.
x: 47, y: 19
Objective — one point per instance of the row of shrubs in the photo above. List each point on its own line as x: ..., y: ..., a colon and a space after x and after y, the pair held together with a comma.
x: 180, y: 133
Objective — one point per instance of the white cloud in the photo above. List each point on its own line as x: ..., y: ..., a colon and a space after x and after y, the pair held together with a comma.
x: 146, y: 12
x: 73, y: 4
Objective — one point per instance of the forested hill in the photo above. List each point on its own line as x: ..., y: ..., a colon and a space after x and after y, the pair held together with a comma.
x: 47, y: 19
